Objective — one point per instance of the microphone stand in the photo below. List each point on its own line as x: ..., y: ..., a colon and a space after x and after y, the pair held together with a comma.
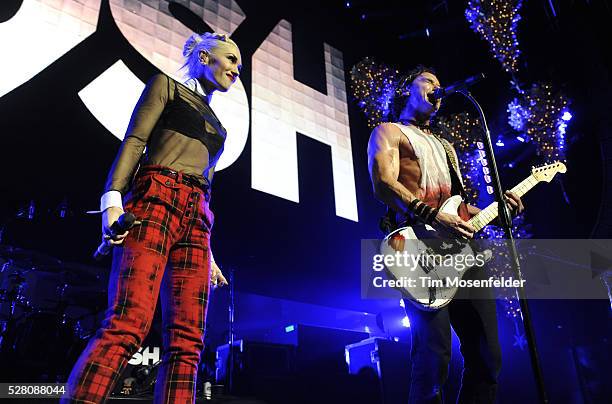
x: 230, y: 380
x: 506, y: 221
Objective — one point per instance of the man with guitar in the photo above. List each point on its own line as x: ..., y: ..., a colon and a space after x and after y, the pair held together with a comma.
x: 413, y: 171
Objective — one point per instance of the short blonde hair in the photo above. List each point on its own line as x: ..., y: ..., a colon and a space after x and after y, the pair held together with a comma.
x: 203, y: 42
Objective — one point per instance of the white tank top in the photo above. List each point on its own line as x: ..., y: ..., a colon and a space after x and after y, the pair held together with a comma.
x: 435, y: 182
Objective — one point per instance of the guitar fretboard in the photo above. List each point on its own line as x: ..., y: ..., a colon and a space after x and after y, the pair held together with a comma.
x: 488, y: 214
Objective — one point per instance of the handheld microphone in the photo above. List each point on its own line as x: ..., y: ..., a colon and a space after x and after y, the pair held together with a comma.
x: 125, y: 222
x: 457, y: 86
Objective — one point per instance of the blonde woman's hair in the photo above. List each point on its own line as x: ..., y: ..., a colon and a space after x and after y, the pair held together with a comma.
x: 202, y: 42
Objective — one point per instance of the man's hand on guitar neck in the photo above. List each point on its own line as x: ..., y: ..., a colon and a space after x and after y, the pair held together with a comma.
x: 514, y: 203
x: 453, y: 225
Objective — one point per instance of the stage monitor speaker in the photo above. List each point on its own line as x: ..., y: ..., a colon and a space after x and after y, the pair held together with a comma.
x: 256, y: 364
x: 388, y: 360
x: 319, y: 349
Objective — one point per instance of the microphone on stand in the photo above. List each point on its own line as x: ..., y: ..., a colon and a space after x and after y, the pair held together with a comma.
x: 125, y: 222
x: 457, y: 86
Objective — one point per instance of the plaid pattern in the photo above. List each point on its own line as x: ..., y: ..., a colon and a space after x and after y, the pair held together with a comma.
x: 175, y: 230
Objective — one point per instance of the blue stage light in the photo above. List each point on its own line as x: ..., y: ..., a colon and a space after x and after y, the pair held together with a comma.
x: 290, y: 328
x: 520, y: 138
x: 500, y: 142
x: 566, y: 116
x: 406, y: 322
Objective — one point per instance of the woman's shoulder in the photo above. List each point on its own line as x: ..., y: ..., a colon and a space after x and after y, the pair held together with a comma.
x: 162, y: 85
x: 160, y: 79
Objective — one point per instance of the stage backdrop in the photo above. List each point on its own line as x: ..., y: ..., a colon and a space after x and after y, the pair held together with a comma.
x: 291, y: 196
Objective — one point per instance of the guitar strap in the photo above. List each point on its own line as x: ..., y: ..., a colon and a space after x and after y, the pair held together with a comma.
x: 453, y: 165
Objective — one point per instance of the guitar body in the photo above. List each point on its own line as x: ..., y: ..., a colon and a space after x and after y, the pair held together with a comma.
x: 421, y: 240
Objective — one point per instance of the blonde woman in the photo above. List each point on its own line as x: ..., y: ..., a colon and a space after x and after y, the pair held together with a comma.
x: 168, y: 189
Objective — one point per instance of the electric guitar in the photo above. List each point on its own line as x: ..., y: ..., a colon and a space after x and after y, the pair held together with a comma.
x: 425, y: 281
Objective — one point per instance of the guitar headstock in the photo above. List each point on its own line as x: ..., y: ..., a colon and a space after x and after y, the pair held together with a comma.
x: 547, y: 172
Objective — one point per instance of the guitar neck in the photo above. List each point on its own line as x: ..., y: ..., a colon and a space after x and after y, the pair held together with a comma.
x: 488, y: 214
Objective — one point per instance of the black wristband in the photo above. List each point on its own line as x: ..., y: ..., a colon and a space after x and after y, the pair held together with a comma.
x: 432, y: 215
x: 426, y: 213
x: 413, y: 203
x: 422, y: 211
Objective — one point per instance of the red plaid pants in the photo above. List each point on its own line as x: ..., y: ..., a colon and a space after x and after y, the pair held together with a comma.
x: 175, y: 230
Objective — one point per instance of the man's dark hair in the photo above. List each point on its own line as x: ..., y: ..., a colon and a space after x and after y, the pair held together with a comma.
x: 399, y: 100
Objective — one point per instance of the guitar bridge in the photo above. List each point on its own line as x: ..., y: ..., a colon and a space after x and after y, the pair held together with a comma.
x: 432, y: 295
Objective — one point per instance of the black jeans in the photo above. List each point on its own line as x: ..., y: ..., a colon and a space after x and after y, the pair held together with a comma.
x: 473, y: 316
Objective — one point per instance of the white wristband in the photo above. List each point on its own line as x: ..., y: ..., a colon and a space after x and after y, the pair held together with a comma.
x: 111, y: 198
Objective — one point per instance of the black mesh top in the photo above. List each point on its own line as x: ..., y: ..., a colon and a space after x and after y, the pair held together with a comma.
x: 178, y: 129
